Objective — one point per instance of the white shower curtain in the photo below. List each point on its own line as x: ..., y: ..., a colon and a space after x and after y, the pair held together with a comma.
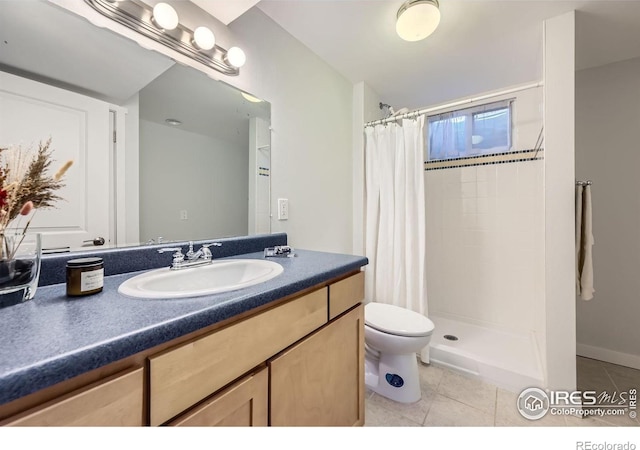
x: 395, y: 214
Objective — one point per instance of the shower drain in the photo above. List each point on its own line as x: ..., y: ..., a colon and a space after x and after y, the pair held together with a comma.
x: 450, y: 337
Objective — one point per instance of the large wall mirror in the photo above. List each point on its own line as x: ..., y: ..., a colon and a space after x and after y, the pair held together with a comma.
x: 161, y: 151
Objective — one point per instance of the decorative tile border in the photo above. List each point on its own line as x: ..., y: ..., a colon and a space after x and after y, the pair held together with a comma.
x: 483, y: 160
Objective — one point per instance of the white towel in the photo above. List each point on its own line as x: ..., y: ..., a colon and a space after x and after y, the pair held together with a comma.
x: 585, y: 255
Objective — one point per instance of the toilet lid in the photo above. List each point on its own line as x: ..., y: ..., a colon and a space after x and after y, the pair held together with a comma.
x: 395, y: 320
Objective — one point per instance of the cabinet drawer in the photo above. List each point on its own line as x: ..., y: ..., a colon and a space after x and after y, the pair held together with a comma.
x: 244, y: 404
x: 115, y: 401
x: 345, y: 294
x: 181, y: 377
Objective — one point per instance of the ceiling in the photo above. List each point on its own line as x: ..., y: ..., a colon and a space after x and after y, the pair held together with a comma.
x: 226, y: 11
x: 479, y: 46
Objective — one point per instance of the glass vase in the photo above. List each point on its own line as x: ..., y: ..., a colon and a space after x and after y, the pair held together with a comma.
x: 20, y: 272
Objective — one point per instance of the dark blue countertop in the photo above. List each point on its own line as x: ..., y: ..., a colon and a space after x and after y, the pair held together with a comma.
x: 54, y: 337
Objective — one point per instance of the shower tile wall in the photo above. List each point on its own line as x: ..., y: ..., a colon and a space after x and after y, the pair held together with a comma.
x: 485, y: 244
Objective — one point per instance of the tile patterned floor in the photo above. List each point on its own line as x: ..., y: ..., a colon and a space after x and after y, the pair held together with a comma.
x: 452, y: 399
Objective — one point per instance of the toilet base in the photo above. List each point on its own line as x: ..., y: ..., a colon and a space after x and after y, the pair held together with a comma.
x: 425, y: 355
x: 394, y: 377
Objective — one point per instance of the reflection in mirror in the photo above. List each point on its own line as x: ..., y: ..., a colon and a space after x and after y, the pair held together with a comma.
x: 114, y: 107
x: 194, y: 157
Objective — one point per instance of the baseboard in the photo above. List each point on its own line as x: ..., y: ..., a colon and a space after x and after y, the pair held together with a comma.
x: 611, y: 356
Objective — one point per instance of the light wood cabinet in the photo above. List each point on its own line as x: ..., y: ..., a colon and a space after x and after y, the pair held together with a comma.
x: 116, y: 401
x: 320, y: 380
x: 245, y: 404
x: 299, y: 362
x: 183, y: 376
x: 313, y: 346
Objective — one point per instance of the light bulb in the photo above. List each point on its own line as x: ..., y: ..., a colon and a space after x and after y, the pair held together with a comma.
x: 417, y: 20
x: 203, y: 38
x: 165, y: 17
x: 236, y: 57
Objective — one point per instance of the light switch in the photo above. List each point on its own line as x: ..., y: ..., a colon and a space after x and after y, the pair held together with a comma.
x: 283, y: 209
x: 183, y: 214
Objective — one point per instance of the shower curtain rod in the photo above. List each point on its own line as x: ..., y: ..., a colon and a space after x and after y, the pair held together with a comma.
x: 449, y: 105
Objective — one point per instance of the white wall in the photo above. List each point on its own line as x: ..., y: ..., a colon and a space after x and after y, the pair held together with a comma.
x: 311, y: 116
x: 168, y: 178
x: 559, y: 113
x: 485, y: 262
x: 607, y: 123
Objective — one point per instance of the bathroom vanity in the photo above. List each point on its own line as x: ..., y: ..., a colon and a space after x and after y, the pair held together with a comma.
x: 287, y: 352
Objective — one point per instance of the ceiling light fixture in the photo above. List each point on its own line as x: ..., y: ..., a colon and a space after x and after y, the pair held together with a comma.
x: 161, y: 23
x: 173, y: 122
x: 417, y: 19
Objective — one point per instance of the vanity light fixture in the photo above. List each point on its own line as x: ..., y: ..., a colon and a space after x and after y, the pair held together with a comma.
x: 203, y: 38
x: 235, y: 57
x: 161, y: 23
x: 164, y: 16
x: 417, y: 19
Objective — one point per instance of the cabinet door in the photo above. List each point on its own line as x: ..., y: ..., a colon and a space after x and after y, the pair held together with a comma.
x: 115, y: 401
x: 244, y: 404
x: 320, y: 380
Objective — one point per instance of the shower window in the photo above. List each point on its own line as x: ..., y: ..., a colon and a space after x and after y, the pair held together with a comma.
x: 477, y: 131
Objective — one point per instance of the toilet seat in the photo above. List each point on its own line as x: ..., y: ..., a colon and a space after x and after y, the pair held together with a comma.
x: 395, y: 320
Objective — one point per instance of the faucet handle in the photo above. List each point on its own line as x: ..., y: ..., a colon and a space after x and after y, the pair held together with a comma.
x: 170, y: 249
x: 206, y: 253
x: 178, y: 257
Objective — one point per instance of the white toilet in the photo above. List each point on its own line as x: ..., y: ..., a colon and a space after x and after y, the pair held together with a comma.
x: 392, y: 336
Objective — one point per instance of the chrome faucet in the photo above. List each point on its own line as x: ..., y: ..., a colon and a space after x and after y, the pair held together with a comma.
x: 193, y: 259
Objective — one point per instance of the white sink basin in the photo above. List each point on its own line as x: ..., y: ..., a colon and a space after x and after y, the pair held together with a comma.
x: 219, y: 276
